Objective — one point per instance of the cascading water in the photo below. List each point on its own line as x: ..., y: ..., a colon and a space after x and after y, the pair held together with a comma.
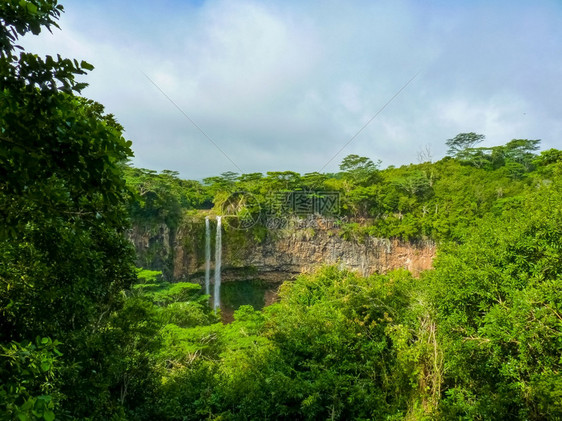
x: 218, y: 257
x: 207, y: 256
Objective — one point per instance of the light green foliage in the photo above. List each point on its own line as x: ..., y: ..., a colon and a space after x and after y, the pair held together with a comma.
x: 550, y: 156
x: 147, y: 277
x: 166, y: 293
x: 498, y: 296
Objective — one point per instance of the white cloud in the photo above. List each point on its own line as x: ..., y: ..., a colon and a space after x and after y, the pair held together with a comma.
x: 284, y: 85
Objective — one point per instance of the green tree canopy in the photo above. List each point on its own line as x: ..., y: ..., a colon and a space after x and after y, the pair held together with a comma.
x: 463, y: 141
x: 360, y: 169
x: 63, y: 256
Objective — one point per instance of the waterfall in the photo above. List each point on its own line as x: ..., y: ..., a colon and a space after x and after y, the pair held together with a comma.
x: 207, y: 256
x: 218, y: 257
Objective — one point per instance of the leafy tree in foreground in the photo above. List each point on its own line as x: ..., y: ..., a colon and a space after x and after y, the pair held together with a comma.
x: 63, y: 255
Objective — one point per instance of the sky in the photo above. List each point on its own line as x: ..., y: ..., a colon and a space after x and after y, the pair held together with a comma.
x: 209, y: 86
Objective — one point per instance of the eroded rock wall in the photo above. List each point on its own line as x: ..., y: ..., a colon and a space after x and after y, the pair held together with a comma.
x: 276, y: 256
x: 303, y: 252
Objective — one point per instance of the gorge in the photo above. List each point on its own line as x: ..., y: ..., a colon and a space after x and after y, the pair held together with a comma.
x: 271, y: 254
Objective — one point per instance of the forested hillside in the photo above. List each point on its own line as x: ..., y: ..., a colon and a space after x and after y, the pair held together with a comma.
x: 86, y: 335
x: 439, y: 200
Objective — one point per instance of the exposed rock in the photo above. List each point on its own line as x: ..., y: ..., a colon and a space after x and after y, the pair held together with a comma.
x: 280, y: 255
x: 297, y: 253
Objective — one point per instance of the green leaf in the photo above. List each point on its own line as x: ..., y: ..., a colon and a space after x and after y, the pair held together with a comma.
x: 49, y: 415
x: 79, y: 86
x: 86, y: 65
x: 31, y: 8
x: 28, y: 404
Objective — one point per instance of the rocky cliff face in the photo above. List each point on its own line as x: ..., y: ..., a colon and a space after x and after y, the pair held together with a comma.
x: 178, y: 253
x: 302, y: 252
x: 277, y: 255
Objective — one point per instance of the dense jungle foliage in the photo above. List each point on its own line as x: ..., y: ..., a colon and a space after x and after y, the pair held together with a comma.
x: 86, y: 335
x: 439, y: 200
